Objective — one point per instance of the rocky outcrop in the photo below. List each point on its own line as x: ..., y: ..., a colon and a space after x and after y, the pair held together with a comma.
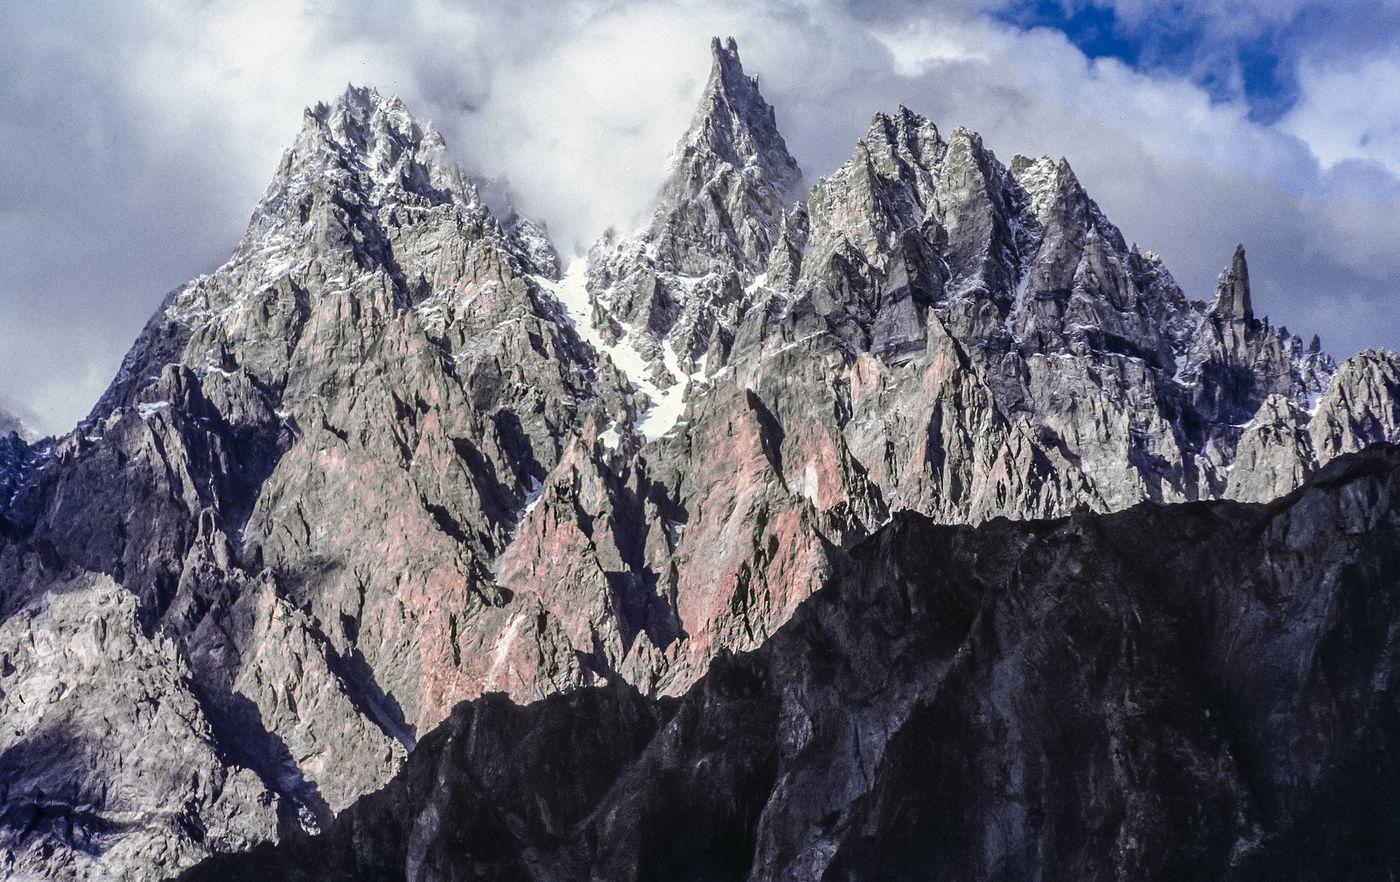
x: 1360, y: 407
x: 1171, y: 692
x: 1284, y: 443
x: 1275, y: 453
x: 680, y: 283
x: 396, y: 453
x: 12, y: 424
x: 104, y: 747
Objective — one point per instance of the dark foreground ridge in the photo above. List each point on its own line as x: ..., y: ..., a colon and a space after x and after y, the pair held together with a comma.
x: 1204, y: 690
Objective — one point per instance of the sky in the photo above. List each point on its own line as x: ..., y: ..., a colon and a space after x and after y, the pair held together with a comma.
x: 137, y: 136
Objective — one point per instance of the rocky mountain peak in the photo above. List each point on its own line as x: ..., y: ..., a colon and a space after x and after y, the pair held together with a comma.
x: 730, y: 179
x: 735, y: 123
x: 356, y: 109
x: 365, y: 204
x: 371, y: 142
x: 15, y: 440
x: 364, y: 155
x: 13, y: 424
x: 683, y: 280
x: 904, y: 137
x: 904, y: 127
x: 1232, y: 299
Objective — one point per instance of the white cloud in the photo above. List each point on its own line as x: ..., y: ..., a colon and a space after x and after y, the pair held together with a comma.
x: 918, y: 44
x: 1350, y: 111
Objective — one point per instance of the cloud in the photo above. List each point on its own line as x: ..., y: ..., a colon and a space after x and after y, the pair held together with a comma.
x: 1344, y: 122
x: 137, y: 139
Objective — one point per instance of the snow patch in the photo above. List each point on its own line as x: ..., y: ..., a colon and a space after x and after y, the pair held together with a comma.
x: 795, y: 343
x: 666, y: 405
x: 674, y: 530
x: 808, y: 485
x: 148, y: 410
x: 1017, y: 299
x: 1179, y: 377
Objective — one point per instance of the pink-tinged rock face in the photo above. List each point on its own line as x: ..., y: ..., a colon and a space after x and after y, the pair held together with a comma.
x: 731, y: 530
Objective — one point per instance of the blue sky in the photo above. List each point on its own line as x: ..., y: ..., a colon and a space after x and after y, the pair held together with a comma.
x: 138, y: 135
x: 1253, y: 67
x: 1236, y: 50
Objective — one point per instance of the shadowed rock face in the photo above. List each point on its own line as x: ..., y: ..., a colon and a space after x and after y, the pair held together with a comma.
x: 394, y: 455
x: 1192, y: 691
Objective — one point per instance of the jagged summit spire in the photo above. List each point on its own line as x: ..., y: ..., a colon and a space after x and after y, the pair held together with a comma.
x: 1232, y: 298
x: 365, y: 97
x: 360, y: 116
x: 904, y: 126
x: 365, y: 135
x: 356, y: 102
x: 735, y: 124
x: 360, y: 152
x: 731, y: 156
x: 728, y: 81
x: 724, y: 51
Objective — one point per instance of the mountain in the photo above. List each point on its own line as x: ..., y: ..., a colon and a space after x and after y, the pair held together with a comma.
x: 15, y: 440
x: 13, y: 424
x: 377, y: 349
x: 396, y: 453
x: 1168, y: 692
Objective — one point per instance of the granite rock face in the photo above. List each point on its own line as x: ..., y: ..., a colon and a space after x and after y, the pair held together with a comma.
x: 104, y: 747
x: 1200, y: 692
x: 1283, y: 443
x: 396, y: 453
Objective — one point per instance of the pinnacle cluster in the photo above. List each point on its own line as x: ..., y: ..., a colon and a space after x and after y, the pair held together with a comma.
x: 396, y: 454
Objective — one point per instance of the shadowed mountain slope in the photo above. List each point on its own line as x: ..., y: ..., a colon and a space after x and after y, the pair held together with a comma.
x: 1201, y: 691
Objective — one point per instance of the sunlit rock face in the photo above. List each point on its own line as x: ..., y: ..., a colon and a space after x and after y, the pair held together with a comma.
x: 397, y: 452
